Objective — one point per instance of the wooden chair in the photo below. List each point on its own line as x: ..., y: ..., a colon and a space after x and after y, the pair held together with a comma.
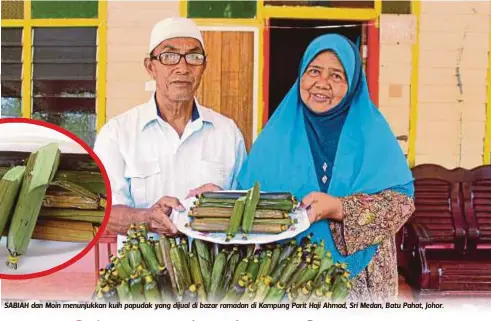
x: 445, y: 248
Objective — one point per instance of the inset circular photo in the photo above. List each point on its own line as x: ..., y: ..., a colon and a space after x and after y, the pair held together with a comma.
x: 55, y: 198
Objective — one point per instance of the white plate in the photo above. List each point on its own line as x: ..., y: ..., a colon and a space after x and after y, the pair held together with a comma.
x: 29, y: 137
x: 40, y: 256
x: 182, y: 220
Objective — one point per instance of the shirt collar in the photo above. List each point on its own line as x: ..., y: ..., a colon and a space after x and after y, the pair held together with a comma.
x: 150, y: 112
x: 194, y: 115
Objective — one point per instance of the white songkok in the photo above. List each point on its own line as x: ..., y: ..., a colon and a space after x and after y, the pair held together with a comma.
x: 174, y: 28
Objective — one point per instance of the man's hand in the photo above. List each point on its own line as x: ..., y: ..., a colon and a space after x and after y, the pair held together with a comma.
x: 210, y: 187
x: 159, y: 221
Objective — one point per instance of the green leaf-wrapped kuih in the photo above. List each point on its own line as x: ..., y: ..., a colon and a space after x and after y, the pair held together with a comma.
x: 250, y: 209
x: 124, y: 293
x: 181, y: 271
x: 158, y: 252
x: 9, y: 190
x: 165, y: 248
x: 165, y: 284
x: 232, y: 262
x: 91, y: 216
x: 81, y: 191
x: 217, y: 276
x: 239, y: 273
x: 241, y: 268
x: 149, y: 257
x: 236, y: 219
x: 87, y: 178
x: 136, y: 288
x: 151, y: 290
x: 203, y: 252
x: 196, y: 276
x: 40, y: 170
x: 263, y: 287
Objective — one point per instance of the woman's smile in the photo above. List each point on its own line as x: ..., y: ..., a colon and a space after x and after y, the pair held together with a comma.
x: 320, y: 98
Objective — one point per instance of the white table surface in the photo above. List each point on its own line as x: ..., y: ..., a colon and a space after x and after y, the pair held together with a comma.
x: 40, y: 256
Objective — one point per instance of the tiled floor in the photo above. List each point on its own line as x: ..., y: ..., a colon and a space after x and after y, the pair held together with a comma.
x: 57, y: 286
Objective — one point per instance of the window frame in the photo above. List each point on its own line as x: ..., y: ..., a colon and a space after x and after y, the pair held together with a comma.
x: 12, y: 67
x: 28, y: 23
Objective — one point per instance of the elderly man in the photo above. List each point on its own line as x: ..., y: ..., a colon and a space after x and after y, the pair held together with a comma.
x: 171, y: 147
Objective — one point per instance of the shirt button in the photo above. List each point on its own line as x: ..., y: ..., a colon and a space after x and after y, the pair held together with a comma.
x: 324, y: 179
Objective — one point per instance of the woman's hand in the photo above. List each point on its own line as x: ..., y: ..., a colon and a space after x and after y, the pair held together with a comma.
x: 322, y: 206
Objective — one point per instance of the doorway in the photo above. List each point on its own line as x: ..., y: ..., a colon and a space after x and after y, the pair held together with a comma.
x: 288, y: 39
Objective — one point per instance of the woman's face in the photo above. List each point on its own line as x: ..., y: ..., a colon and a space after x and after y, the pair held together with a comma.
x: 324, y: 83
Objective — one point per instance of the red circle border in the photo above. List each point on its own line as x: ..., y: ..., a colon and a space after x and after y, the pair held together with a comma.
x: 106, y: 214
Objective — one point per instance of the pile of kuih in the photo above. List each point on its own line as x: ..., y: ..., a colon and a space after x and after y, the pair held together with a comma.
x: 251, y: 212
x: 47, y: 195
x: 172, y: 270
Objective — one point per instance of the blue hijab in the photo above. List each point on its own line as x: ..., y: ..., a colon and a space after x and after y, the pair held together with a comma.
x: 368, y: 158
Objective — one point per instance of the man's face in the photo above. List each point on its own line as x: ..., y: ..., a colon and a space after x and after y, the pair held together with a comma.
x: 177, y: 82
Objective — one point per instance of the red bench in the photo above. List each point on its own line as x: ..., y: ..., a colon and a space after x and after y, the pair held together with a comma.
x: 445, y: 248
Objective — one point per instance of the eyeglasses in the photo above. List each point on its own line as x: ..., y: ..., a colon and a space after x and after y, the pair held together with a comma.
x: 173, y: 58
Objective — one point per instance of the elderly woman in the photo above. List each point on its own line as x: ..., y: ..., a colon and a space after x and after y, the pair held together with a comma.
x: 329, y: 145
